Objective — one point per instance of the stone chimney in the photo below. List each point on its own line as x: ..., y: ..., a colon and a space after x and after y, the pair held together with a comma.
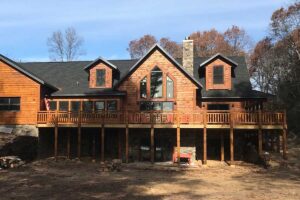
x: 188, y: 55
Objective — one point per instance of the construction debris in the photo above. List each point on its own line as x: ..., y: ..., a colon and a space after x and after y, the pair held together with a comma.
x: 10, y: 162
x: 114, y: 165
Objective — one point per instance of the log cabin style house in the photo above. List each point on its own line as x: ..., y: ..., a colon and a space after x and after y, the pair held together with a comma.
x: 157, y: 108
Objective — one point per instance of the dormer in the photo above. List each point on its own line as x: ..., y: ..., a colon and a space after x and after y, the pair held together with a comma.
x: 101, y: 73
x: 218, y: 72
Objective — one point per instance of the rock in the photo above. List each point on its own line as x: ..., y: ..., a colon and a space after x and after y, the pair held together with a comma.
x: 10, y: 162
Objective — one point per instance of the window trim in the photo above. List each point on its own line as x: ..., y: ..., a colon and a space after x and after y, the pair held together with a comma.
x: 18, y: 97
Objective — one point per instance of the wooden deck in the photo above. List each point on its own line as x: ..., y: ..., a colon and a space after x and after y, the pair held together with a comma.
x: 203, y: 120
x: 119, y: 119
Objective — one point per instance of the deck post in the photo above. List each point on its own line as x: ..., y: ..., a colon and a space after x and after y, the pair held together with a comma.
x: 152, y: 144
x: 127, y: 143
x: 278, y: 141
x: 119, y: 145
x: 205, y: 138
x: 55, y: 141
x: 102, y: 143
x: 284, y: 135
x: 79, y: 137
x: 178, y: 138
x: 231, y: 139
x: 69, y: 143
x: 56, y: 135
x: 94, y: 147
x: 260, y: 136
x: 222, y: 146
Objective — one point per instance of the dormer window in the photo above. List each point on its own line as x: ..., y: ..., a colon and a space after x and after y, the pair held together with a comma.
x: 218, y: 74
x: 100, y: 77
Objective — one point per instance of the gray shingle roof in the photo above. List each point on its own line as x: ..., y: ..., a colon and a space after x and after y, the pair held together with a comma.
x: 72, y: 80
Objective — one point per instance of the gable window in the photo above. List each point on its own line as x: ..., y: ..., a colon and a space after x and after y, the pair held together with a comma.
x: 170, y: 88
x: 156, y: 83
x: 100, y: 77
x: 143, y: 88
x: 9, y: 103
x: 218, y: 74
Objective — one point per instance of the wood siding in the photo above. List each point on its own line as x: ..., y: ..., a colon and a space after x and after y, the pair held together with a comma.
x: 185, y: 88
x: 108, y: 75
x: 209, y: 76
x: 14, y: 84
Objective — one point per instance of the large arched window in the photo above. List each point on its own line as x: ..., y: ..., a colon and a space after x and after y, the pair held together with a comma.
x: 156, y: 87
x: 157, y: 91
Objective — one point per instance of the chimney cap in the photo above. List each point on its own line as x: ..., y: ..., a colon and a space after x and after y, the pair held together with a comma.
x: 187, y: 38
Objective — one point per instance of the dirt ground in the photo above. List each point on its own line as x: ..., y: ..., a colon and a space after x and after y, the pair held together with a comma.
x: 48, y: 179
x: 70, y: 179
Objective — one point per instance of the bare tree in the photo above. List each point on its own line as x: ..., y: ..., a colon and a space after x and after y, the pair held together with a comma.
x: 238, y: 39
x: 139, y: 47
x: 65, y: 47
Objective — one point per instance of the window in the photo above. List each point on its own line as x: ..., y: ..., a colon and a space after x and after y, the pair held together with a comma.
x: 143, y: 88
x: 53, y: 105
x: 218, y: 107
x: 63, y: 105
x: 9, y: 103
x: 168, y: 106
x: 75, y: 106
x: 100, y: 77
x: 156, y: 83
x: 218, y: 74
x: 156, y: 106
x: 111, y: 105
x: 99, y: 106
x: 87, y: 106
x: 170, y: 88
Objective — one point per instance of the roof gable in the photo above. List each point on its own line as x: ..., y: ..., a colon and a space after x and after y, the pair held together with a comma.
x: 100, y: 59
x: 168, y: 56
x: 219, y: 56
x: 25, y: 72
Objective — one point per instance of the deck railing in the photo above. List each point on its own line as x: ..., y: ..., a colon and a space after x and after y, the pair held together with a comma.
x: 120, y: 117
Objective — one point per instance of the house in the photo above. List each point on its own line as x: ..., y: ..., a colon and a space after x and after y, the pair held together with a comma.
x: 146, y: 109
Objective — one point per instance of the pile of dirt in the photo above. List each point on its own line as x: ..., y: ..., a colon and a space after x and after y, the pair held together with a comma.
x: 24, y: 147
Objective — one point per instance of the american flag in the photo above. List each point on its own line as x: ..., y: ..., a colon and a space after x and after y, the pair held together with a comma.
x: 47, y: 104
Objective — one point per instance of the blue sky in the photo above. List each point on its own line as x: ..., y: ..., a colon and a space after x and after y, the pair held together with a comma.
x: 108, y: 26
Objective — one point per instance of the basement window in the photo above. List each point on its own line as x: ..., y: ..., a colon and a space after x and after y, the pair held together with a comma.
x: 9, y: 103
x: 218, y: 74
